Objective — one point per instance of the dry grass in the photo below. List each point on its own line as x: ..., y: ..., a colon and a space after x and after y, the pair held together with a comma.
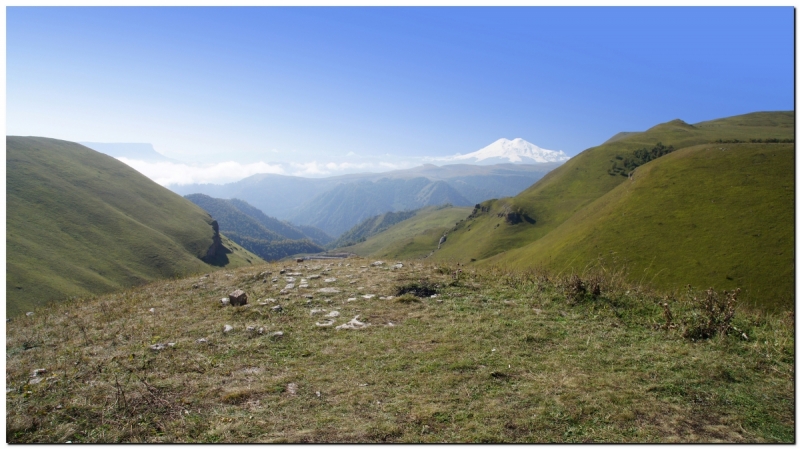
x: 496, y: 356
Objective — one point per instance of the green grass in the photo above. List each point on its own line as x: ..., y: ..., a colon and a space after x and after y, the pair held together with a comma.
x: 412, y: 238
x: 497, y: 356
x: 718, y: 215
x: 80, y: 222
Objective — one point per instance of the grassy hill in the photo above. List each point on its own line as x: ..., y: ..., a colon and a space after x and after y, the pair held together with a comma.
x: 412, y: 238
x: 586, y: 178
x: 496, y: 356
x: 80, y: 222
x: 371, y: 226
x: 718, y: 215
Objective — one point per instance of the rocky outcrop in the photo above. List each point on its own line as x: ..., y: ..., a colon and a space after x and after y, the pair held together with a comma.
x: 216, y: 250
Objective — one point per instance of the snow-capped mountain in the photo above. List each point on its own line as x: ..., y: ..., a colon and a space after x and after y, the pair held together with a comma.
x: 517, y: 151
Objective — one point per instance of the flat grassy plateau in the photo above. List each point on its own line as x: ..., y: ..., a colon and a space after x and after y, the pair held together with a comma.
x: 495, y: 356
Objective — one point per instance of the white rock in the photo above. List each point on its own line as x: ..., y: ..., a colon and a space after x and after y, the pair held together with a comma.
x: 278, y: 334
x: 317, y: 311
x: 251, y: 328
x: 377, y: 263
x: 227, y: 328
x: 314, y: 276
x: 333, y: 314
x: 325, y: 323
x: 330, y: 280
x: 352, y: 324
x: 29, y: 314
x: 152, y: 310
x: 289, y: 286
x: 329, y: 290
x: 277, y: 308
x: 225, y: 301
x: 367, y: 296
x: 39, y: 371
x: 351, y: 299
x: 201, y: 340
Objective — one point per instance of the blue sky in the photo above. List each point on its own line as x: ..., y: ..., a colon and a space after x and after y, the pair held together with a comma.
x: 392, y: 85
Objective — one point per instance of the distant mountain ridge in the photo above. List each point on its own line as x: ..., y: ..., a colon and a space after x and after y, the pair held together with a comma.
x: 346, y: 205
x: 265, y: 236
x: 298, y: 200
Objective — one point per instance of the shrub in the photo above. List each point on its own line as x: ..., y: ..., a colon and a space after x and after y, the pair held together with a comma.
x: 715, y: 314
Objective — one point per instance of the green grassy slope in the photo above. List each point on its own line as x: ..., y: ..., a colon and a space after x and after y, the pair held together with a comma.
x: 80, y: 222
x: 718, y: 215
x: 412, y: 238
x: 585, y: 178
x: 371, y: 226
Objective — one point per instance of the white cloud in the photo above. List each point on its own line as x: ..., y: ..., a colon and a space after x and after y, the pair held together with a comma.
x: 168, y: 173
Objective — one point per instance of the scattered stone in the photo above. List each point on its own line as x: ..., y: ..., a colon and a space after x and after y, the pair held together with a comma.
x: 292, y: 388
x: 325, y: 323
x: 329, y: 290
x: 260, y: 330
x: 152, y: 310
x: 289, y: 286
x: 318, y: 394
x: 158, y: 346
x: 277, y: 308
x: 353, y: 282
x: 251, y: 328
x: 227, y: 328
x: 317, y: 311
x: 267, y: 301
x: 377, y: 263
x: 398, y: 265
x: 352, y: 324
x: 29, y: 314
x: 308, y: 296
x: 314, y: 276
x: 282, y: 271
x: 274, y: 279
x: 265, y: 273
x: 367, y: 296
x: 276, y: 335
x: 37, y: 372
x: 225, y: 301
x: 330, y: 280
x: 35, y: 380
x: 333, y: 314
x: 201, y: 340
x: 439, y: 300
x: 351, y: 299
x: 289, y: 278
x: 238, y: 298
x: 294, y: 274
